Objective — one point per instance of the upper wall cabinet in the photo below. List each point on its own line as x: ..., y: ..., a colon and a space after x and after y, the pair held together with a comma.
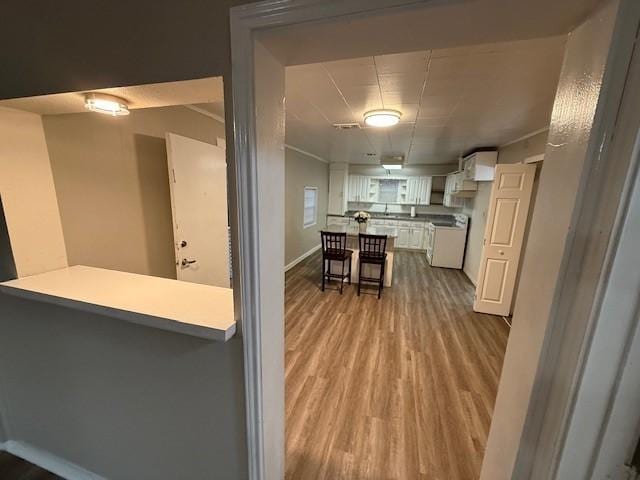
x: 418, y: 191
x: 480, y: 166
x: 390, y: 189
x: 360, y: 189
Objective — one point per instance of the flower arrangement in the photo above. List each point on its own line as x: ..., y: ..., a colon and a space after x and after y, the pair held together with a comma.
x: 361, y: 216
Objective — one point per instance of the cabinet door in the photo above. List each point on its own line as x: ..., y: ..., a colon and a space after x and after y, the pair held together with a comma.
x: 403, y: 237
x: 415, y: 238
x: 364, y: 188
x: 423, y: 196
x: 354, y: 188
x: 412, y: 190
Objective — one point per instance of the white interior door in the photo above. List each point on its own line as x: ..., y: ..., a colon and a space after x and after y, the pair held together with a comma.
x: 503, y: 238
x: 198, y: 181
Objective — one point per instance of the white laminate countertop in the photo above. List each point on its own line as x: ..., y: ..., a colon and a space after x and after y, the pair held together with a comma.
x: 189, y: 308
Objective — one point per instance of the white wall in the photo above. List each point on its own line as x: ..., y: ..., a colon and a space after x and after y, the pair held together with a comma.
x: 303, y: 171
x: 569, y: 135
x: 121, y: 400
x: 28, y: 194
x: 476, y: 208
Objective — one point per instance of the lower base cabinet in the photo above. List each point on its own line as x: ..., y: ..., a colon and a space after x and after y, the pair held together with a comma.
x: 410, y: 237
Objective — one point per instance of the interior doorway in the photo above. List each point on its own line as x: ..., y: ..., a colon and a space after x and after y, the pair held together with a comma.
x: 269, y: 61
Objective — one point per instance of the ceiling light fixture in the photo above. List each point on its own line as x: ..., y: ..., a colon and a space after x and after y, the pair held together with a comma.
x: 106, y: 104
x: 392, y: 162
x: 382, y: 118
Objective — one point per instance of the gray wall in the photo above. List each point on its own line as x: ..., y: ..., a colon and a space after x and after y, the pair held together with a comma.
x: 477, y: 207
x: 112, y: 184
x: 121, y: 400
x: 303, y: 171
x: 569, y: 137
x: 71, y: 52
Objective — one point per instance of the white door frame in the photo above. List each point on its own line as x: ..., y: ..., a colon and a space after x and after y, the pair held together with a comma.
x: 246, y: 22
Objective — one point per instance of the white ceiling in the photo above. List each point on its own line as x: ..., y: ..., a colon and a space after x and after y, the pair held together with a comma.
x: 452, y: 100
x: 204, y: 90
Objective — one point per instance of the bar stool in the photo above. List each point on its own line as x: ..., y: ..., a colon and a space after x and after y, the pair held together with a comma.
x: 373, y: 252
x: 334, y: 249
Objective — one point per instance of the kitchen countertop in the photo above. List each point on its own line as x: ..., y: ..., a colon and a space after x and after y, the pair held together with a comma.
x: 438, y: 218
x: 189, y: 308
x: 371, y: 230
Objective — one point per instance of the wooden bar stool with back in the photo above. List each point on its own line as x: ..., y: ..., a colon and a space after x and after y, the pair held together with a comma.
x: 372, y: 252
x: 334, y: 249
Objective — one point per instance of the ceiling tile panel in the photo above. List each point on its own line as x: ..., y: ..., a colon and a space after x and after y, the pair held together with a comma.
x: 402, y: 62
x: 473, y: 96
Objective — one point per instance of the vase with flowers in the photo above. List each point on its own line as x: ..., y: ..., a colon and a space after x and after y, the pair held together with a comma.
x: 362, y: 218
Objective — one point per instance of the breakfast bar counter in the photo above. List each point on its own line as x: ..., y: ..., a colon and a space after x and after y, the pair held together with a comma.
x: 353, y: 244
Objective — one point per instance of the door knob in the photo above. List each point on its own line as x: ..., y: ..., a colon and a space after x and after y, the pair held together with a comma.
x: 501, y: 252
x: 183, y: 243
x: 186, y: 262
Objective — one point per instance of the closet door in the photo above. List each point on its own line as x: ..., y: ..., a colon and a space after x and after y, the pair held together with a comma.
x: 503, y: 238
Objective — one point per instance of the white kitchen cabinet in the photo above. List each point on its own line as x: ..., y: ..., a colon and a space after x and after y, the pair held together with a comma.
x: 360, y: 189
x: 410, y: 235
x: 418, y: 191
x: 480, y: 166
x: 338, y: 178
x: 415, y: 237
x: 457, y: 188
x: 449, y: 199
x: 461, y: 184
x: 403, y: 237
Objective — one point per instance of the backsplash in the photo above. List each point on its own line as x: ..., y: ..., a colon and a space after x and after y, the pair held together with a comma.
x: 394, y: 208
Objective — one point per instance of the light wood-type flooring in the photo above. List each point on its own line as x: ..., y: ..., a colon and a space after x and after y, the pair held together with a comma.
x: 397, y: 388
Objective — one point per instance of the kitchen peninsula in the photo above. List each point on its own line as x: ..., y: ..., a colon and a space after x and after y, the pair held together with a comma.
x: 353, y: 244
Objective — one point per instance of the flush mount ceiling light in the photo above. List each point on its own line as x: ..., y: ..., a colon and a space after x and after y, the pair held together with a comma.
x: 382, y: 118
x: 107, y: 104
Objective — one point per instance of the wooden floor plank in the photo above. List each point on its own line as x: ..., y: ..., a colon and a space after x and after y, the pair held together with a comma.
x: 397, y: 388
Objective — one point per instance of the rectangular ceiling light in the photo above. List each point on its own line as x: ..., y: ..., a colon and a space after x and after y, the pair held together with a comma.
x: 392, y: 162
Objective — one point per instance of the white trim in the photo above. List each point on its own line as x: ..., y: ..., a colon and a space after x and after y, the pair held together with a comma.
x: 534, y: 159
x: 524, y: 137
x: 48, y: 461
x: 304, y: 152
x: 204, y: 112
x: 302, y: 257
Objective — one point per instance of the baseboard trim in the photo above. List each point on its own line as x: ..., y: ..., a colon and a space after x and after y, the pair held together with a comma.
x: 48, y: 461
x: 302, y: 257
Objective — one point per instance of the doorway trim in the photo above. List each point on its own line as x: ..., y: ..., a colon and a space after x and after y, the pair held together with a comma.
x: 246, y: 22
